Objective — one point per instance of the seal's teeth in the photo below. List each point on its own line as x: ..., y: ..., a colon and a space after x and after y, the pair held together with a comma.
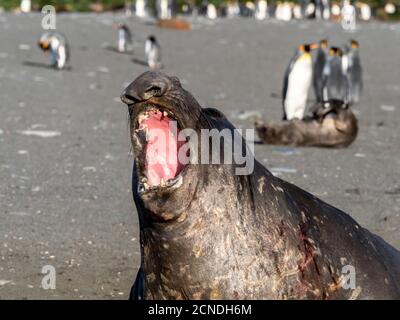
x: 162, y: 182
x: 145, y: 185
x: 142, y: 117
x: 165, y: 113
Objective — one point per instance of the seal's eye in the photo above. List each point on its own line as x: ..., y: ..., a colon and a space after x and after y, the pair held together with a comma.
x: 155, y: 90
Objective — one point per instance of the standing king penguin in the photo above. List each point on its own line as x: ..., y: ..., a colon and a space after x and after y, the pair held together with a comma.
x: 320, y: 69
x: 57, y: 44
x: 153, y: 53
x: 353, y: 72
x: 336, y: 87
x: 297, y: 82
x: 124, y: 37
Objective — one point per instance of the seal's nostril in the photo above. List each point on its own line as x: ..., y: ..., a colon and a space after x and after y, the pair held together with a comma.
x: 128, y: 99
x: 131, y: 98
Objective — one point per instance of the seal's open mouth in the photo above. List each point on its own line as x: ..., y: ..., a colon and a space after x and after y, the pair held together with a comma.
x: 160, y: 163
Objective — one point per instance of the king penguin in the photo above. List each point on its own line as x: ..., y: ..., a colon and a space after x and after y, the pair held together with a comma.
x: 320, y: 67
x: 57, y: 44
x: 124, y: 37
x: 297, y: 82
x: 153, y: 53
x: 353, y: 72
x: 335, y: 80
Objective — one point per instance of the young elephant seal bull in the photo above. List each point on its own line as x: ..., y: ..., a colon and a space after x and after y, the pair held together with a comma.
x: 332, y: 126
x: 207, y: 233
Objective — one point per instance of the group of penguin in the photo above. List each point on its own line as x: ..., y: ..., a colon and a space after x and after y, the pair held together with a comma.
x: 152, y: 47
x: 335, y: 74
x: 56, y: 44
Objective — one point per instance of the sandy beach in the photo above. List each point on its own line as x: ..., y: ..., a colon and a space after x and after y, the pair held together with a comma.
x: 65, y: 154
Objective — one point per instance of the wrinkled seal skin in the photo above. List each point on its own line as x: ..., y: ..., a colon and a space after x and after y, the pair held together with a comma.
x: 224, y: 236
x: 333, y: 126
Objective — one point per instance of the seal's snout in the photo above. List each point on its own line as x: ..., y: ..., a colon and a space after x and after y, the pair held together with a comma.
x: 145, y: 87
x: 127, y: 98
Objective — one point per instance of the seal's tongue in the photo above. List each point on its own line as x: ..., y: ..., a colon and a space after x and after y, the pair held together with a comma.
x: 162, y: 148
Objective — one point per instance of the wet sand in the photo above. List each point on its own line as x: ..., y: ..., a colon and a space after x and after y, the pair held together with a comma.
x: 65, y: 161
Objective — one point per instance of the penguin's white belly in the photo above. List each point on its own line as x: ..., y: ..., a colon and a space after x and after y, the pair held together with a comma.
x: 299, y: 83
x: 310, y: 9
x: 365, y: 12
x: 345, y: 63
x: 164, y: 10
x: 121, y: 43
x: 232, y: 10
x: 152, y: 58
x: 326, y: 14
x: 261, y: 11
x: 62, y: 57
x: 297, y: 12
x: 348, y: 17
x: 211, y: 11
x: 140, y: 8
x: 55, y: 51
x: 25, y: 6
x: 286, y: 12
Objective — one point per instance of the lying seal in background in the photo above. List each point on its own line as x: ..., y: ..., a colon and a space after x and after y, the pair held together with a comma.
x: 207, y: 233
x: 333, y: 125
x: 177, y: 24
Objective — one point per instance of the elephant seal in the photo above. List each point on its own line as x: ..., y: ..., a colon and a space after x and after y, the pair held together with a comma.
x: 207, y: 233
x: 333, y: 125
x: 176, y: 24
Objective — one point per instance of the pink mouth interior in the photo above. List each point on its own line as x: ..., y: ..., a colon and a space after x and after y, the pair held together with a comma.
x: 162, y: 163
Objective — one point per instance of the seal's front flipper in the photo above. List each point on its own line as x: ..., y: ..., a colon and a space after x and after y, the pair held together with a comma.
x: 138, y: 287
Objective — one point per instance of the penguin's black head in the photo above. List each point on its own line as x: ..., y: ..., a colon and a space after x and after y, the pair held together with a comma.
x: 354, y: 44
x: 336, y: 104
x: 152, y: 39
x: 44, y: 41
x: 335, y: 51
x: 307, y: 47
x: 44, y: 45
x: 323, y: 44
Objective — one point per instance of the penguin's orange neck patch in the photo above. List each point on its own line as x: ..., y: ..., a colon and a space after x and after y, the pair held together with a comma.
x: 305, y: 56
x: 44, y: 45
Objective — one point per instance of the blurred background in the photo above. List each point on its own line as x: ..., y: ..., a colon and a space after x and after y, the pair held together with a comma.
x: 180, y: 6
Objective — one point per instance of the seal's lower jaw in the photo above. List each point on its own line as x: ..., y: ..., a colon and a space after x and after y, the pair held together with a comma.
x: 160, y: 164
